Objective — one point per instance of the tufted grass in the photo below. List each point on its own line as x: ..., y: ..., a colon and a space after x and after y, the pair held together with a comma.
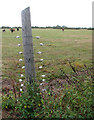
x: 63, y: 53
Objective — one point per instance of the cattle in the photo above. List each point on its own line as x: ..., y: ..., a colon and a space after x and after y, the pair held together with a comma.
x: 3, y: 30
x: 62, y: 29
x: 12, y: 30
x: 17, y: 29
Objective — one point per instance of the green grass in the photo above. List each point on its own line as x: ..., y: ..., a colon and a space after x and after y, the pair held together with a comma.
x: 63, y: 53
x: 58, y: 46
x: 59, y: 49
x: 70, y: 45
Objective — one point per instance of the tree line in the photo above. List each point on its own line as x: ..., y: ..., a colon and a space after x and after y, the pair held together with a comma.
x: 53, y: 27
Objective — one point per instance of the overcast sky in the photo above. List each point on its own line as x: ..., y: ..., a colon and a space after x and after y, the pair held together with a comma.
x: 72, y: 13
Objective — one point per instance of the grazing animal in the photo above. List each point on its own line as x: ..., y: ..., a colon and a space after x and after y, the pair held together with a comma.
x: 3, y: 30
x: 62, y: 29
x: 12, y: 30
x: 17, y: 29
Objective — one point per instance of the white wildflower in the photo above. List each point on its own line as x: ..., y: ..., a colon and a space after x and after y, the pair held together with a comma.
x: 43, y: 90
x: 43, y: 80
x: 19, y: 45
x: 22, y: 75
x: 41, y: 60
x: 43, y: 76
x: 23, y: 67
x: 20, y: 60
x: 37, y: 37
x: 20, y: 52
x: 20, y: 80
x: 39, y: 52
x: 41, y: 83
x: 20, y: 89
x: 17, y: 36
x: 41, y: 44
x: 22, y: 85
x: 40, y: 67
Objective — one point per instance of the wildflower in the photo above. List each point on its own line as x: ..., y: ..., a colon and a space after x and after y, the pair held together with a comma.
x: 41, y: 60
x: 19, y: 45
x: 23, y: 67
x: 22, y: 75
x: 43, y: 76
x: 39, y: 52
x: 59, y: 81
x: 20, y: 52
x: 6, y: 107
x: 22, y: 85
x: 28, y: 106
x: 40, y: 93
x: 25, y: 106
x: 41, y: 83
x: 40, y: 67
x: 37, y: 37
x: 17, y: 36
x: 39, y: 105
x: 20, y: 60
x: 20, y: 80
x: 20, y: 89
x: 43, y: 80
x: 43, y: 90
x: 41, y: 44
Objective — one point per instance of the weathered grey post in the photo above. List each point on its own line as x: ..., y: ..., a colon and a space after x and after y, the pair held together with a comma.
x: 93, y: 34
x: 28, y: 45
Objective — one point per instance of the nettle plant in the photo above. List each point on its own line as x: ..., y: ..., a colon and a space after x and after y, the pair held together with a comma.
x: 29, y: 103
x: 8, y: 101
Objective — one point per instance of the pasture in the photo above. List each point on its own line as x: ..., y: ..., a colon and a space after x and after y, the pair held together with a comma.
x: 66, y: 54
x: 59, y: 47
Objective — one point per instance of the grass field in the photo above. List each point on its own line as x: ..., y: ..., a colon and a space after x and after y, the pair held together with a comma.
x: 73, y: 45
x: 59, y: 48
x: 68, y: 50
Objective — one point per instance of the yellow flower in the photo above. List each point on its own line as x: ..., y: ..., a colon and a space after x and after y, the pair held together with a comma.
x: 28, y: 106
x: 39, y: 105
x: 6, y: 107
x: 40, y: 93
x: 25, y: 106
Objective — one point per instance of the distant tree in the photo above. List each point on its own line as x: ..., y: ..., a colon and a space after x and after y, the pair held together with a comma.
x: 35, y: 27
x: 48, y: 27
x: 90, y: 28
x: 5, y: 27
x: 57, y: 27
x: 64, y: 26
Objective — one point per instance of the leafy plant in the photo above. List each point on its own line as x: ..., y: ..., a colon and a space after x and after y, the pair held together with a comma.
x: 8, y: 101
x: 29, y: 104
